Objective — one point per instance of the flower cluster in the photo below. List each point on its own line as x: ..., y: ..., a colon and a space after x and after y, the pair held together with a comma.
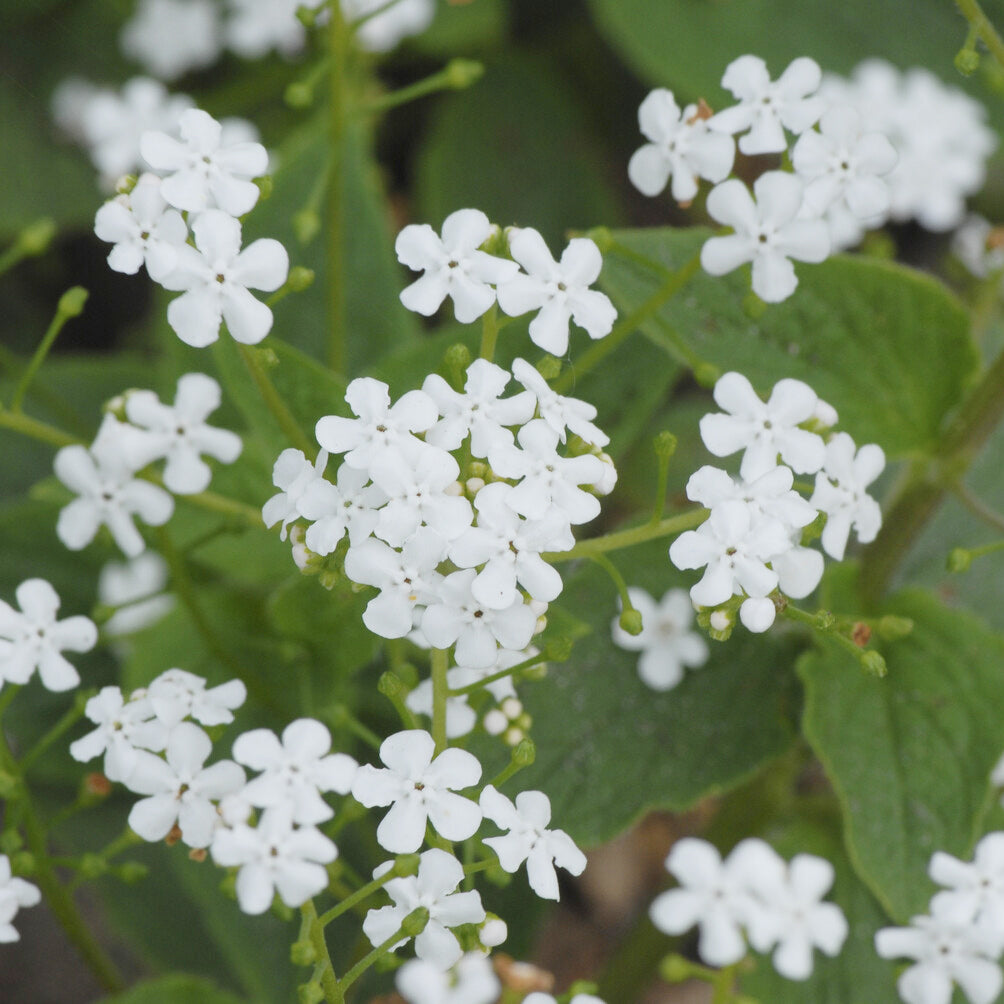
x: 776, y: 904
x: 961, y: 940
x: 455, y: 266
x: 104, y: 474
x: 750, y: 544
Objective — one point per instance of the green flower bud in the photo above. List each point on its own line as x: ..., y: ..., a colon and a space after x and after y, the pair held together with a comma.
x: 302, y: 953
x: 265, y: 186
x: 71, y: 303
x: 461, y: 73
x: 549, y: 367
x: 10, y: 842
x: 893, y: 628
x: 676, y: 969
x: 873, y: 663
x: 967, y: 61
x: 707, y: 374
x: 36, y: 237
x: 753, y: 307
x: 960, y: 559
x: 630, y: 621
x: 602, y: 238
x: 23, y: 863
x: 414, y: 924
x: 312, y: 992
x: 524, y: 753
x: 664, y: 445
x: 93, y: 866
x: 390, y: 685
x: 299, y: 95
x: 132, y: 871
x: 559, y: 649
x: 306, y: 225
x: 300, y: 278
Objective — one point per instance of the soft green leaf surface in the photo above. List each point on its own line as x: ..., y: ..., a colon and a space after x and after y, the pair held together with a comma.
x: 173, y: 990
x: 609, y: 748
x: 910, y: 754
x: 887, y: 346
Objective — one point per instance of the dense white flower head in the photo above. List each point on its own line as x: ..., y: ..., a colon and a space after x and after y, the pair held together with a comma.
x: 108, y: 494
x: 179, y: 434
x: 14, y: 894
x: 216, y: 276
x: 201, y: 170
x: 528, y: 839
x: 559, y: 291
x: 453, y: 265
x: 122, y: 728
x: 177, y: 694
x: 274, y: 856
x: 680, y: 146
x: 471, y: 980
x: 295, y: 769
x: 768, y: 232
x: 136, y: 589
x: 438, y: 875
x: 764, y: 430
x: 381, y: 32
x: 181, y: 790
x: 948, y: 949
x: 31, y: 638
x: 766, y: 108
x: 419, y: 787
x: 667, y: 644
x: 172, y: 37
x: 294, y: 475
x: 143, y: 229
x: 840, y: 493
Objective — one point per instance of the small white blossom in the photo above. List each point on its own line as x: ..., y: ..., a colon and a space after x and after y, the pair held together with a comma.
x: 528, y: 839
x: 255, y: 27
x: 453, y: 265
x: 768, y: 233
x: 172, y: 37
x: 382, y: 31
x: 33, y: 639
x: 471, y: 980
x: 181, y: 790
x: 215, y: 278
x: 274, y: 856
x: 973, y: 888
x: 766, y: 108
x: 14, y: 894
x: 177, y: 694
x: 681, y: 145
x: 840, y: 493
x: 143, y: 229
x: 295, y: 475
x: 559, y: 412
x: 350, y: 505
x: 559, y: 291
x: 179, y: 434
x: 135, y: 588
x: 438, y: 875
x: 666, y: 643
x: 420, y: 788
x: 295, y: 770
x: 764, y: 430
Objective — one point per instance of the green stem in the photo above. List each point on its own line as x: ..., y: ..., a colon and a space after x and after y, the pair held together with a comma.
x: 618, y: 580
x: 365, y: 962
x: 357, y: 897
x: 515, y: 672
x: 339, y: 40
x: 244, y: 513
x: 979, y: 22
x: 456, y: 75
x: 275, y: 403
x: 329, y: 983
x: 65, y: 723
x: 978, y: 507
x: 440, y: 662
x: 593, y: 356
x: 489, y: 333
x: 17, y: 421
x: 722, y: 985
x: 56, y: 895
x: 628, y: 538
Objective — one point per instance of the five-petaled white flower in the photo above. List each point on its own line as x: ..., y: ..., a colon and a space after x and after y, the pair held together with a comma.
x: 419, y: 787
x: 172, y: 37
x: 177, y: 694
x: 14, y: 893
x: 471, y: 980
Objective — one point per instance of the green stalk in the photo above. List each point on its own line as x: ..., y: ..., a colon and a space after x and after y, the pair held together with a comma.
x: 440, y: 661
x: 516, y: 671
x: 65, y: 723
x: 628, y: 538
x: 455, y: 76
x: 357, y: 897
x: 489, y: 333
x: 339, y: 41
x: 980, y: 23
x: 329, y: 983
x: 17, y: 421
x: 275, y: 404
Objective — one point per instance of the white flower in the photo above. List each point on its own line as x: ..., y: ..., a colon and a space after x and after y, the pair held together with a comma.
x: 948, y: 949
x: 295, y: 770
x: 840, y: 493
x: 974, y: 888
x: 255, y: 27
x: 559, y: 291
x: 108, y: 493
x: 143, y: 229
x: 767, y: 233
x: 978, y: 246
x: 179, y: 433
x: 405, y: 578
x: 735, y: 547
x: 559, y: 412
x: 713, y: 894
x: 767, y: 108
x: 471, y: 980
x: 546, y: 479
x: 14, y: 893
x: 33, y: 639
x: 460, y: 716
x: 348, y: 506
x: 202, y: 172
x: 136, y: 589
x: 274, y: 856
x: 438, y: 875
x: 181, y: 790
x: 530, y: 840
x: 764, y: 430
x: 172, y: 37
x: 666, y: 643
x: 177, y: 694
x: 216, y: 278
x: 122, y: 728
x: 453, y: 265
x: 681, y: 145
x: 382, y: 31
x: 379, y: 425
x: 537, y: 997
x: 419, y: 789
x: 478, y: 630
x: 294, y: 474
x: 480, y: 411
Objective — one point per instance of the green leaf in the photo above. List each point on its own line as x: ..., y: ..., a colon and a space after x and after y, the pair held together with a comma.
x: 609, y: 748
x: 172, y: 990
x: 518, y: 147
x: 910, y: 754
x: 461, y: 28
x: 888, y: 347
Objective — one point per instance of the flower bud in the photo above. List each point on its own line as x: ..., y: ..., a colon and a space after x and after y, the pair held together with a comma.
x: 967, y: 61
x: 707, y: 374
x: 559, y: 649
x: 892, y: 628
x: 406, y: 864
x: 873, y: 663
x: 664, y: 445
x: 131, y: 872
x: 549, y: 367
x: 299, y: 95
x: 306, y: 225
x: 960, y: 559
x: 525, y: 753
x: 390, y: 685
x: 312, y: 992
x: 36, y: 237
x: 414, y: 924
x: 23, y: 863
x: 461, y: 73
x: 71, y: 303
x: 675, y: 969
x: 602, y: 238
x: 302, y: 953
x: 300, y: 278
x: 493, y: 932
x: 92, y: 866
x: 631, y: 621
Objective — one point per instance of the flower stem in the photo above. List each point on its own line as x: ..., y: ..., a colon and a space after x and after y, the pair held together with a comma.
x: 489, y: 333
x: 455, y: 76
x: 357, y: 897
x: 275, y: 403
x: 978, y: 507
x: 17, y: 421
x: 501, y: 674
x: 329, y: 982
x: 440, y: 661
x: 65, y: 723
x: 628, y: 538
x: 618, y: 580
x: 981, y: 24
x: 339, y: 41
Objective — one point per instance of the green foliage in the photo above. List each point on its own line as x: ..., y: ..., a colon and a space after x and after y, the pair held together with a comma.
x: 171, y: 990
